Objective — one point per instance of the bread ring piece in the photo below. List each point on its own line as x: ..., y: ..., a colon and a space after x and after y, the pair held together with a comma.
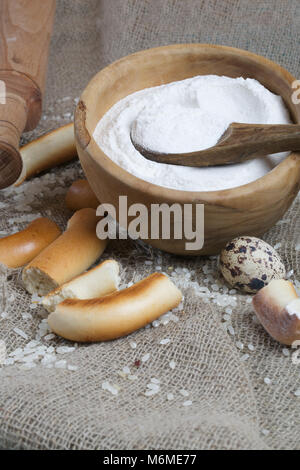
x: 68, y: 256
x: 99, y: 281
x: 20, y: 248
x: 117, y: 314
x: 47, y: 151
x: 278, y: 308
x: 81, y: 195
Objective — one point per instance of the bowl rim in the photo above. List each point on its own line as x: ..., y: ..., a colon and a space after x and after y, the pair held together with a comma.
x: 85, y: 139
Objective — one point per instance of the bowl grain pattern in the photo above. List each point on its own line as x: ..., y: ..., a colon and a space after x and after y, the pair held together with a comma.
x: 250, y: 209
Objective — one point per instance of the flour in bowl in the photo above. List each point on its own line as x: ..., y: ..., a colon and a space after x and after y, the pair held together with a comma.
x: 186, y: 116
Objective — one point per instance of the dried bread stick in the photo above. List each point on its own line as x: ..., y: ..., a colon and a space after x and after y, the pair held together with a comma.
x: 99, y: 281
x: 47, y: 151
x: 20, y: 248
x: 68, y: 256
x: 277, y: 306
x: 81, y: 195
x: 117, y: 314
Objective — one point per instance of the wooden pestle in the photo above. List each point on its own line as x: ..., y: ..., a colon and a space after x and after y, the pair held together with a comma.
x: 25, y: 31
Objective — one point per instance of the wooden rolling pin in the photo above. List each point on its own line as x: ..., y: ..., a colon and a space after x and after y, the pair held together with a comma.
x: 25, y: 31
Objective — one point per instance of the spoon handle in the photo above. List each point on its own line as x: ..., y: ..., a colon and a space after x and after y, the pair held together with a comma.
x: 262, y: 138
x: 239, y: 143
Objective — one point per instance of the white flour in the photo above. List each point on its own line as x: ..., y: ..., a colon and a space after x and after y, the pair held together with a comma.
x: 186, y: 116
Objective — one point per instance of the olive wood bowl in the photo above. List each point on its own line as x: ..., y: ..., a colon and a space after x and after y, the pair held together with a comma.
x: 250, y: 209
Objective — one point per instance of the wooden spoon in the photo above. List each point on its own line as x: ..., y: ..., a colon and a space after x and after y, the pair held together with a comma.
x: 239, y: 143
x: 25, y: 29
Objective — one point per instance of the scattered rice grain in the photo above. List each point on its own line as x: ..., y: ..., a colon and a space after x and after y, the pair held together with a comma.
x: 150, y: 393
x: 187, y: 403
x: 154, y: 380
x: 61, y: 364
x: 146, y: 357
x: 132, y: 377
x: 165, y: 341
x: 231, y: 330
x: 245, y: 357
x: 20, y: 332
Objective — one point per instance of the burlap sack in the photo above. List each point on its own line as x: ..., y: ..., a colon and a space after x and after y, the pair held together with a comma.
x: 232, y: 407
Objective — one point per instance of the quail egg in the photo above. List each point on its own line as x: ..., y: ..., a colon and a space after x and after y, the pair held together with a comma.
x: 249, y: 264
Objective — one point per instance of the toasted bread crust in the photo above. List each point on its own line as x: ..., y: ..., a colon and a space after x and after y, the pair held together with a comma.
x: 99, y: 281
x: 20, y: 248
x: 117, y: 314
x: 47, y: 151
x: 270, y: 305
x: 81, y: 195
x: 71, y: 253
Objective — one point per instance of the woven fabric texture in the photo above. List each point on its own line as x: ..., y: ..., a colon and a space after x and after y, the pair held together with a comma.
x: 232, y: 406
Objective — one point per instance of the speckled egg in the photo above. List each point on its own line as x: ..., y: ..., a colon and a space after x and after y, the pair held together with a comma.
x: 249, y: 264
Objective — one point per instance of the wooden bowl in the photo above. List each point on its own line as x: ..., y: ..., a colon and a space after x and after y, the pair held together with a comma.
x: 250, y: 209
